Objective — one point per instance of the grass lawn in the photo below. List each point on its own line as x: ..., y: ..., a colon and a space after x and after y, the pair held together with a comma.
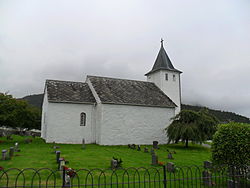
x: 39, y: 155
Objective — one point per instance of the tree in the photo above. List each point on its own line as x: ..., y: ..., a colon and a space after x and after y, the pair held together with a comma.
x: 231, y: 144
x: 189, y: 125
x: 17, y: 113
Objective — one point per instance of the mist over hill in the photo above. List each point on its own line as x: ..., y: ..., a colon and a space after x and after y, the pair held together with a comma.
x: 37, y: 99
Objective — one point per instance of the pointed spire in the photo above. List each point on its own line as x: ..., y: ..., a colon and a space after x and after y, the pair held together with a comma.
x: 162, y: 61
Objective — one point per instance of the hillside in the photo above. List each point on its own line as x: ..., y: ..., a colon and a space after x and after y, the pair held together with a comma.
x: 36, y: 100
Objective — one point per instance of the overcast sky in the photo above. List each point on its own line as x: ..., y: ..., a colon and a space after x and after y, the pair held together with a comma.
x: 209, y: 40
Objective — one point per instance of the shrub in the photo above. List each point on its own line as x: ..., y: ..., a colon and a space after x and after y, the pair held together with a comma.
x: 231, y: 144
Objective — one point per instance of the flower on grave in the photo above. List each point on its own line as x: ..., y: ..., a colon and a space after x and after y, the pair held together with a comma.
x: 70, y: 171
x: 1, y: 168
x: 160, y: 163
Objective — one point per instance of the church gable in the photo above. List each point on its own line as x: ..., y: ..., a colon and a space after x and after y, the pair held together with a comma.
x: 131, y: 92
x: 69, y: 92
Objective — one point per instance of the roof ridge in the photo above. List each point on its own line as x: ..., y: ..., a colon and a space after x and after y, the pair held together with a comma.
x: 117, y: 78
x: 66, y: 81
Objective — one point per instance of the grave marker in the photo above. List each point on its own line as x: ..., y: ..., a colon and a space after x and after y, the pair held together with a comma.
x: 16, y: 147
x: 207, y: 178
x: 57, y: 156
x: 138, y: 148
x: 155, y: 145
x: 170, y: 167
x: 114, y: 163
x: 145, y: 150
x: 83, y: 144
x: 11, y: 152
x: 154, y: 159
x: 170, y: 156
x: 4, y: 154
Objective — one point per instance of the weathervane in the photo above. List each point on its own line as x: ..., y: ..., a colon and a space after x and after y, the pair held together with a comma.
x: 162, y: 41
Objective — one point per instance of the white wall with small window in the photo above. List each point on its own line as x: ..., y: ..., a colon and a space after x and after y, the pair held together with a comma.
x: 70, y: 123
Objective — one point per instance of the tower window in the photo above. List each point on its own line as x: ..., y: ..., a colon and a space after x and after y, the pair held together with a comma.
x: 82, y: 119
x: 166, y: 76
x: 174, y: 78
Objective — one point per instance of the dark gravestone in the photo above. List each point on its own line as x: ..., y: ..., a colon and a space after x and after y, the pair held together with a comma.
x: 207, y: 178
x: 154, y: 159
x: 155, y: 144
x: 11, y: 152
x: 58, y: 153
x: 133, y: 146
x: 83, y: 144
x: 208, y: 164
x: 114, y: 163
x: 129, y: 146
x: 146, y: 150
x: 138, y: 148
x: 4, y: 154
x: 170, y: 156
x: 170, y: 167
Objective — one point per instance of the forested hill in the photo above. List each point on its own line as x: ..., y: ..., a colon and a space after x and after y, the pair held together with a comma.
x: 36, y: 100
x: 221, y: 115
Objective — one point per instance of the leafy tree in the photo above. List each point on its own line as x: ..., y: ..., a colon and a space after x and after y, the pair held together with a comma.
x: 17, y: 113
x: 231, y: 144
x: 189, y: 125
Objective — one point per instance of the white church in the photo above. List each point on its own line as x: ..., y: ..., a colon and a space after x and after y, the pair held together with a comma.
x: 112, y: 111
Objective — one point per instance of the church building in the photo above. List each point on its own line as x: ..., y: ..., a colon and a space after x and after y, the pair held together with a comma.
x: 112, y: 111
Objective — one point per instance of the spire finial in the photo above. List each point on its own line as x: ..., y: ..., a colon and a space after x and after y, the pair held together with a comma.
x: 162, y: 42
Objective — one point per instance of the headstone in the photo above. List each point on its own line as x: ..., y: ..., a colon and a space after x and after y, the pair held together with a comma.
x: 155, y: 144
x: 11, y: 152
x: 16, y: 147
x: 83, y: 144
x: 133, y: 146
x: 154, y: 159
x: 129, y: 146
x: 114, y: 163
x: 4, y: 154
x: 208, y: 164
x: 170, y: 167
x: 207, y: 178
x: 57, y: 156
x: 145, y: 150
x: 152, y: 151
x: 61, y: 163
x: 138, y: 148
x: 170, y: 156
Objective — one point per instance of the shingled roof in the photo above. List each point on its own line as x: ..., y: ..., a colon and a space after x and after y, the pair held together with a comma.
x: 121, y: 91
x: 162, y: 62
x: 67, y: 91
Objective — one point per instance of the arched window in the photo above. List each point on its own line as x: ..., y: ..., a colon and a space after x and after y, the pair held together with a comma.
x: 82, y: 119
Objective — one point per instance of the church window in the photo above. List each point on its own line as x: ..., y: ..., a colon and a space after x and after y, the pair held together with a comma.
x: 174, y: 78
x: 166, y: 76
x: 82, y: 119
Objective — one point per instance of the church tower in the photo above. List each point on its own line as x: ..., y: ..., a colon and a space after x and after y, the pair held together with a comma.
x: 166, y: 77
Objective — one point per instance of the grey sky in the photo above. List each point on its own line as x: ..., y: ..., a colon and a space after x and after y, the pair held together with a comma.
x: 209, y: 40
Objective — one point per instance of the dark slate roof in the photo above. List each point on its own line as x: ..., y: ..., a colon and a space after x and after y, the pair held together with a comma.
x: 131, y: 92
x: 162, y: 62
x: 67, y: 91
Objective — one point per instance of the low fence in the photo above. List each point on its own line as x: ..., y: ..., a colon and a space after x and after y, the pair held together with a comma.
x: 162, y: 177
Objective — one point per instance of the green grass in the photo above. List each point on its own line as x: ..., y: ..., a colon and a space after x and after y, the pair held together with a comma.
x: 39, y: 155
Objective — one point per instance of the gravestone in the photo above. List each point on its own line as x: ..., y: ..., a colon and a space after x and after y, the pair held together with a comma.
x: 207, y: 178
x: 138, y: 148
x: 133, y: 146
x: 83, y: 144
x: 11, y: 152
x: 4, y: 154
x: 155, y: 145
x: 16, y: 147
x: 152, y: 151
x: 145, y: 150
x: 208, y: 164
x: 57, y: 156
x: 170, y: 167
x: 61, y: 163
x: 170, y: 156
x: 114, y: 163
x: 129, y: 146
x: 154, y: 159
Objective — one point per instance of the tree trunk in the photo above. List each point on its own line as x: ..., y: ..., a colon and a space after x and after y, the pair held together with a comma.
x: 186, y: 145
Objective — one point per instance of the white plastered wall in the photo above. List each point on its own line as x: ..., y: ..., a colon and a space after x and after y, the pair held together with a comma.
x: 63, y: 124
x: 125, y: 124
x: 170, y: 87
x: 44, y: 115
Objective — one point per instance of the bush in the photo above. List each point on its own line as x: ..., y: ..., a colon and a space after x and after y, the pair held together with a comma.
x: 231, y: 144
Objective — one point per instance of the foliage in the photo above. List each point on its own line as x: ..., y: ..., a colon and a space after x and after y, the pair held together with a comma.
x: 17, y: 113
x: 231, y: 144
x: 190, y: 125
x: 222, y: 116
